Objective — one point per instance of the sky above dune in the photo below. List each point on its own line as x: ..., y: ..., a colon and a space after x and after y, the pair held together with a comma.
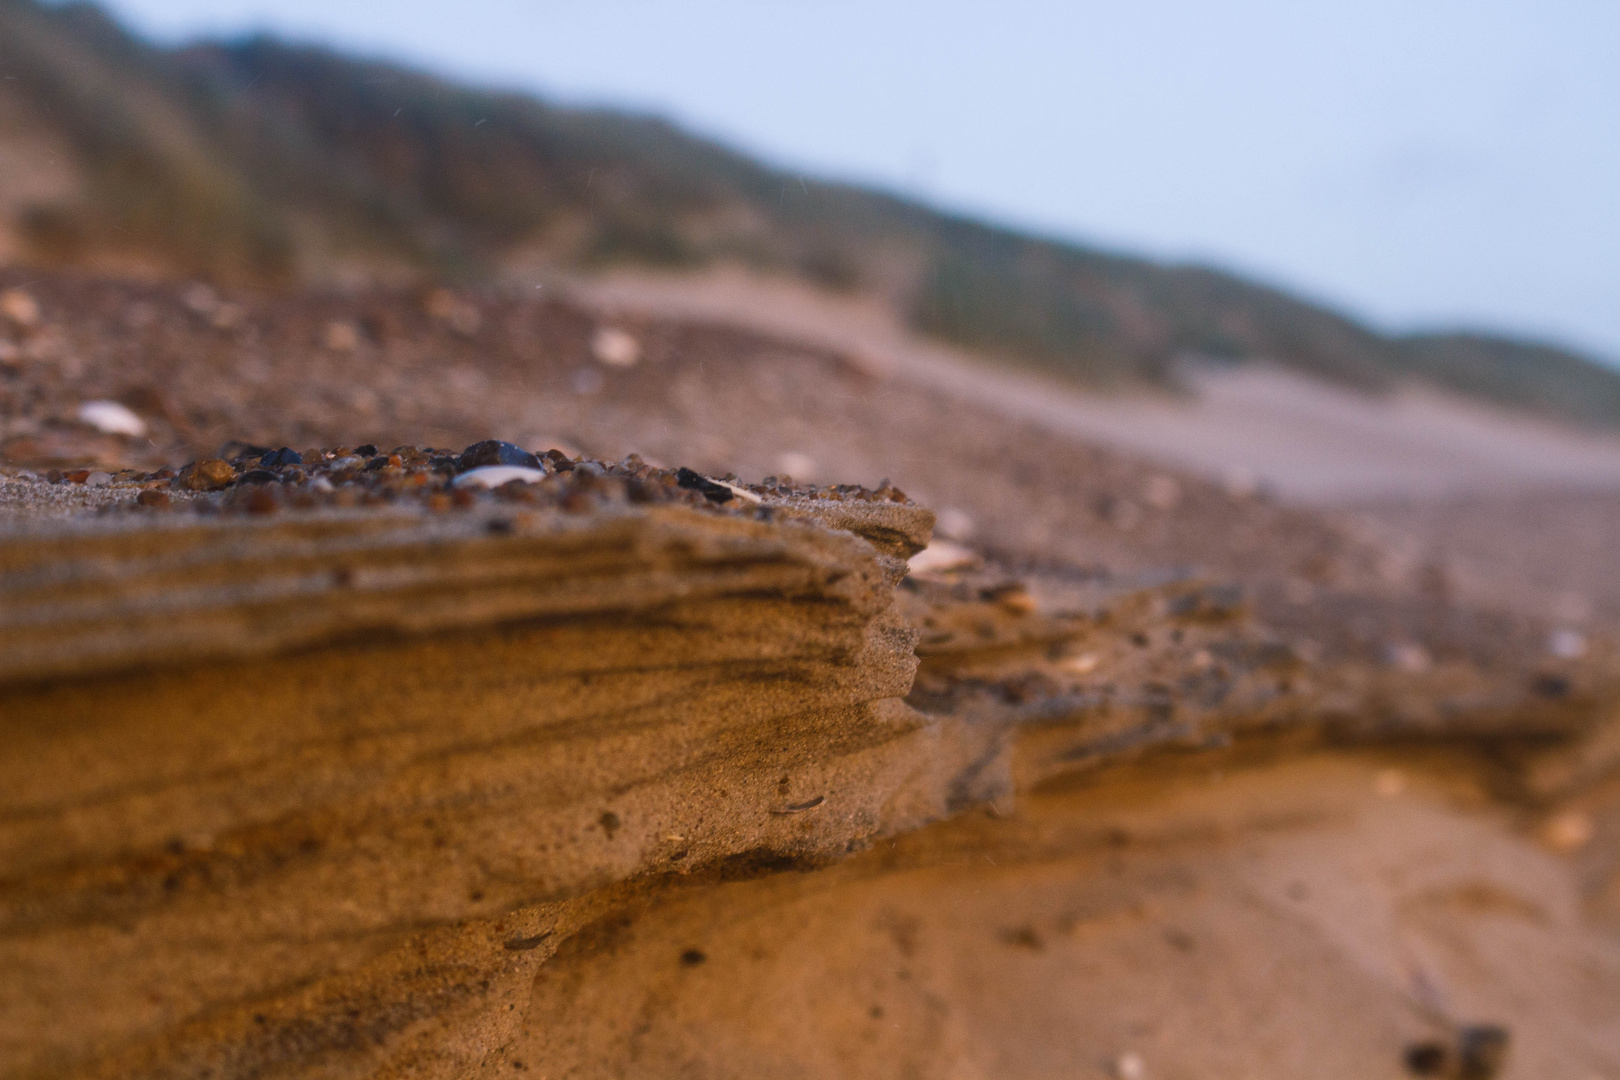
x: 1419, y: 163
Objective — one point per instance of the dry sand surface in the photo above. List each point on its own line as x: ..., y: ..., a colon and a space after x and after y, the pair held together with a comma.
x: 1214, y: 919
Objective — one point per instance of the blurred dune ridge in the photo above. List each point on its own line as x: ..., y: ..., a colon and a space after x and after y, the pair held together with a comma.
x: 259, y: 161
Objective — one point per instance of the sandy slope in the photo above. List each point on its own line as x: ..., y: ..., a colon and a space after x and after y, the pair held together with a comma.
x: 1306, y: 439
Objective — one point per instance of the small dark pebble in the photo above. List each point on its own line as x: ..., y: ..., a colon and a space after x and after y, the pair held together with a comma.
x: 694, y: 481
x: 1428, y: 1059
x: 258, y: 476
x: 1479, y: 1054
x: 1483, y: 1049
x: 1550, y: 686
x: 280, y: 459
x: 495, y: 452
x: 367, y: 450
x: 693, y: 957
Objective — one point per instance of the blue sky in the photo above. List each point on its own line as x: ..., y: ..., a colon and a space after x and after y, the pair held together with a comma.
x: 1418, y: 163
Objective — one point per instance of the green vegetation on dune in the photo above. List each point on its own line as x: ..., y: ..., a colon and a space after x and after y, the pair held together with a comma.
x: 256, y: 160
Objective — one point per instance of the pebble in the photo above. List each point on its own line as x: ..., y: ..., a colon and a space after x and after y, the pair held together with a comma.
x: 1568, y: 831
x: 1129, y: 1066
x: 280, y: 459
x: 1483, y: 1049
x: 615, y: 347
x: 1566, y: 643
x: 1408, y: 656
x: 1479, y: 1053
x: 493, y: 476
x: 20, y: 307
x: 940, y: 556
x: 111, y: 418
x: 209, y: 474
x: 495, y: 452
x: 1084, y: 664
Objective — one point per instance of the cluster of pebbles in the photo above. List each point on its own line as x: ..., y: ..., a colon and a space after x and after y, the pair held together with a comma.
x: 263, y: 480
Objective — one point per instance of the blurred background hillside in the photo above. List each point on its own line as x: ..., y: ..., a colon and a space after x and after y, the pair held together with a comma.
x: 256, y: 162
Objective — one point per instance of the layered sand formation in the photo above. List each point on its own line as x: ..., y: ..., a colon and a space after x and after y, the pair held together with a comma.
x: 529, y: 779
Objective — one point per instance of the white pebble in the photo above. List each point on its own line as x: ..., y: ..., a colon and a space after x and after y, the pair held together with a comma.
x: 493, y: 476
x: 1408, y: 656
x: 111, y: 418
x: 615, y: 347
x: 941, y: 555
x: 18, y: 306
x: 1084, y: 664
x: 1566, y: 643
x: 1129, y: 1066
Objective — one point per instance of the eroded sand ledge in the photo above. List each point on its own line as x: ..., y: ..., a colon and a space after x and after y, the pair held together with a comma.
x: 355, y: 793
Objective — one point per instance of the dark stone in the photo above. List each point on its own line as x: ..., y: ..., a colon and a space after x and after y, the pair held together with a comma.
x: 1551, y: 686
x: 259, y: 476
x: 693, y: 957
x: 377, y: 462
x: 367, y: 450
x: 495, y: 452
x: 701, y: 484
x: 1428, y: 1059
x: 280, y: 459
x: 1483, y: 1049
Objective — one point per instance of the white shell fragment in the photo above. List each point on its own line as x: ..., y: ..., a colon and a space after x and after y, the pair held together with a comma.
x: 942, y: 555
x: 493, y: 476
x: 111, y: 418
x: 615, y: 347
x: 742, y: 493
